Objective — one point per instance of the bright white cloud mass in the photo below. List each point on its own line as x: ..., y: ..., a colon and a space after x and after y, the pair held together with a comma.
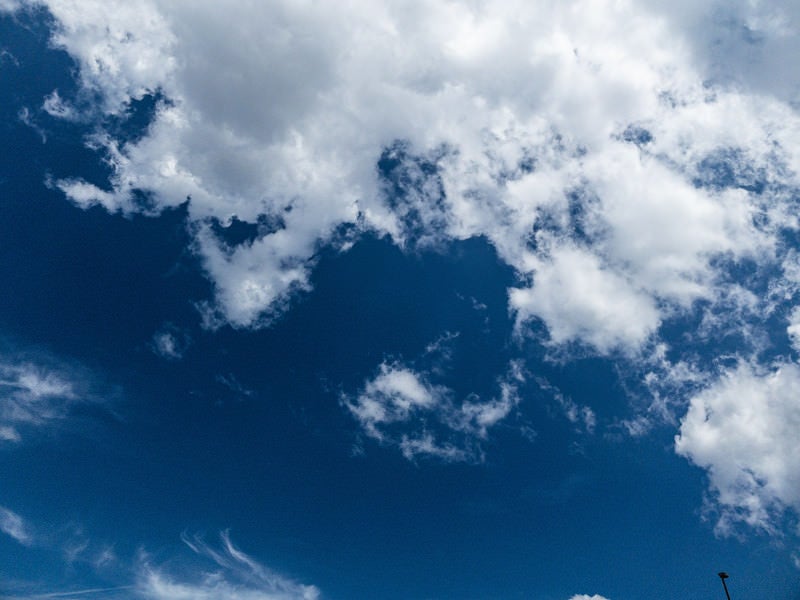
x: 578, y: 137
x: 620, y: 156
x: 743, y: 429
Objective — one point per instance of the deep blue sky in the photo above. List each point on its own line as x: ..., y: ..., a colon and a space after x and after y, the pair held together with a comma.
x: 246, y: 429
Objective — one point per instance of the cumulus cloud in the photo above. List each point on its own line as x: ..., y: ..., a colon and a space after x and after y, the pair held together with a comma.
x: 742, y: 43
x: 13, y: 525
x: 609, y: 150
x: 400, y: 406
x: 580, y: 300
x: 743, y: 430
x: 236, y: 575
x: 587, y: 597
x: 624, y: 158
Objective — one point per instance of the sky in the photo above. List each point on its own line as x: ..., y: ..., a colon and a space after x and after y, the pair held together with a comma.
x: 399, y: 299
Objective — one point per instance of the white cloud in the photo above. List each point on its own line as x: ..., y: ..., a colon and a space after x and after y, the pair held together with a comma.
x: 425, y: 444
x: 583, y: 417
x: 32, y: 395
x: 580, y: 300
x: 660, y: 227
x: 10, y: 5
x: 741, y: 43
x: 743, y: 431
x: 13, y: 525
x: 170, y: 343
x: 793, y: 330
x: 86, y: 194
x: 523, y: 108
x: 38, y: 391
x: 215, y: 572
x: 664, y: 387
x: 165, y: 344
x: 400, y: 406
x: 587, y: 597
x: 108, y: 593
x: 24, y: 115
x: 9, y: 434
x: 55, y: 106
x: 393, y: 395
x: 620, y: 156
x: 236, y: 576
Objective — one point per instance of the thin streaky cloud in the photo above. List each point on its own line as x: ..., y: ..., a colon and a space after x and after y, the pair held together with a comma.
x: 15, y: 526
x: 240, y: 577
x: 39, y: 390
x: 73, y: 593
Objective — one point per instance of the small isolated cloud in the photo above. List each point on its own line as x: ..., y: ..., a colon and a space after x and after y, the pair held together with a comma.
x: 743, y: 429
x: 402, y: 407
x: 587, y: 597
x: 233, y: 575
x: 170, y: 342
x: 13, y: 525
x: 55, y: 106
x: 9, y: 434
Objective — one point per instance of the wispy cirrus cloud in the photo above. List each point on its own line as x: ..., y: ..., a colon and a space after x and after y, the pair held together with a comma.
x: 37, y: 391
x: 216, y: 571
x: 15, y: 526
x: 236, y: 575
x: 69, y: 540
x: 116, y: 592
x: 32, y: 396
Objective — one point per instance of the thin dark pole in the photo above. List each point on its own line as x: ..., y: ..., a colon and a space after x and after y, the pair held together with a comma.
x: 723, y: 577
